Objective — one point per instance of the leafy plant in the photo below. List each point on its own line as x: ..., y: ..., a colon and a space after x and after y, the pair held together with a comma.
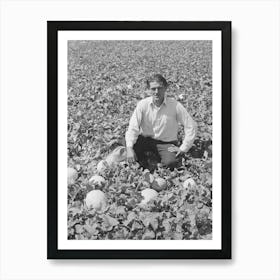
x: 106, y: 79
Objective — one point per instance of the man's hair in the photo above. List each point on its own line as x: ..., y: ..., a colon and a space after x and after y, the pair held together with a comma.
x: 156, y: 78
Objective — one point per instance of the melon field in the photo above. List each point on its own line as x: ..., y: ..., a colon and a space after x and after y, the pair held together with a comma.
x: 106, y: 79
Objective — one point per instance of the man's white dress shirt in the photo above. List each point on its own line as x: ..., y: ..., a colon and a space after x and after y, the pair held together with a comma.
x: 160, y: 123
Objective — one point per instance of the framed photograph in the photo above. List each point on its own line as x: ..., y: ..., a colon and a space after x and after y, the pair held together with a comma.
x: 139, y: 140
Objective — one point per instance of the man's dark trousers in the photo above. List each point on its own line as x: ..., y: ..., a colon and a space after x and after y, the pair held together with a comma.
x: 159, y: 150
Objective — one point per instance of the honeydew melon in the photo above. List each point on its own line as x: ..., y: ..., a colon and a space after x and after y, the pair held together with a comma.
x: 102, y: 166
x: 159, y: 184
x: 148, y: 195
x: 189, y: 183
x: 97, y: 180
x: 97, y: 200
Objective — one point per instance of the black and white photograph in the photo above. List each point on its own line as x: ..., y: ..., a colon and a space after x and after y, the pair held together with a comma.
x: 140, y: 139
x: 141, y: 143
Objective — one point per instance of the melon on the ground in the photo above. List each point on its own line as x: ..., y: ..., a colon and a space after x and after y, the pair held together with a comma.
x: 97, y: 200
x: 148, y: 195
x: 116, y: 156
x: 97, y: 180
x: 102, y: 166
x: 72, y: 175
x: 189, y: 183
x: 159, y: 184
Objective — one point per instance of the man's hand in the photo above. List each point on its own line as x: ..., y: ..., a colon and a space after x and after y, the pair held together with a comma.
x: 130, y: 155
x: 175, y: 149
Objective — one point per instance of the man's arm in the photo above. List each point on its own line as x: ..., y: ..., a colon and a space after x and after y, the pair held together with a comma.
x: 190, y: 127
x: 133, y: 131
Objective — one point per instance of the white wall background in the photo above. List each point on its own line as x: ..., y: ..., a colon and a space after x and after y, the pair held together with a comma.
x: 255, y: 103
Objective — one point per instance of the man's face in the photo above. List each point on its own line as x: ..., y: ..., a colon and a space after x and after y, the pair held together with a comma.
x: 157, y: 90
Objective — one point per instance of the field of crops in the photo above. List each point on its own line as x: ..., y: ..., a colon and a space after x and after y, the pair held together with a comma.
x: 106, y: 79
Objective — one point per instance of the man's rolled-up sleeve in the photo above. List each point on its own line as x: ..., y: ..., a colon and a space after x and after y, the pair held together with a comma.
x: 190, y: 127
x: 133, y: 130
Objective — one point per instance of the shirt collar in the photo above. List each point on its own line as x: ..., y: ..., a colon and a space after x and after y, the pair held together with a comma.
x: 163, y: 103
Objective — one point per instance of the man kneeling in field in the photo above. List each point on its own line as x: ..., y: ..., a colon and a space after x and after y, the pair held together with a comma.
x: 153, y: 127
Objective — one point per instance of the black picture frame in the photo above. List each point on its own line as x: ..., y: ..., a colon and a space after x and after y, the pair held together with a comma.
x: 53, y: 27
